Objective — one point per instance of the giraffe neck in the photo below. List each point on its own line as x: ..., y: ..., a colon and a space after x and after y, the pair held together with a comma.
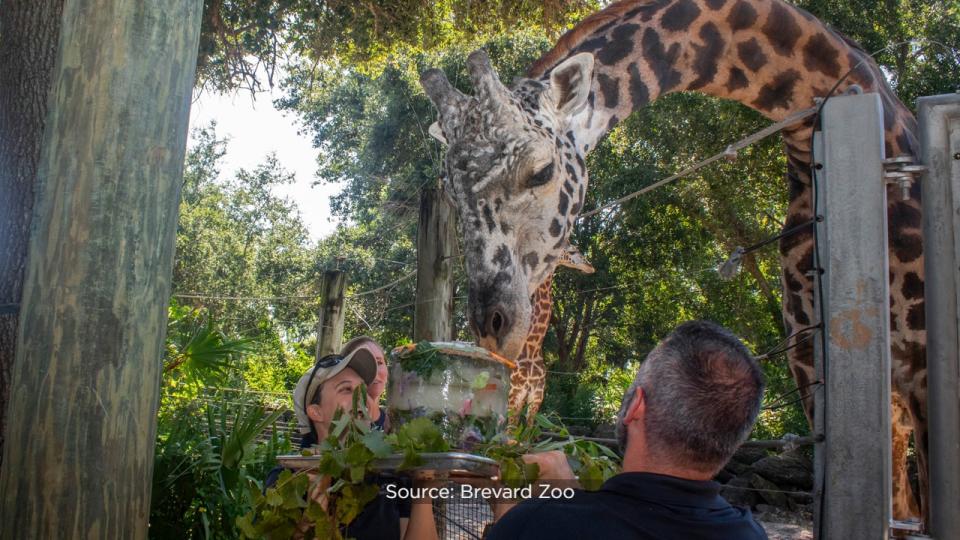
x: 766, y: 54
x: 542, y: 303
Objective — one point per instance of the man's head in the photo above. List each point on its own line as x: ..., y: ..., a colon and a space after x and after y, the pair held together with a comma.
x: 378, y: 385
x: 694, y: 400
x: 328, y: 385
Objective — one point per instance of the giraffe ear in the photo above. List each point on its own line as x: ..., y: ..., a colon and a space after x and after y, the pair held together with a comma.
x: 437, y: 133
x: 572, y: 258
x: 570, y: 83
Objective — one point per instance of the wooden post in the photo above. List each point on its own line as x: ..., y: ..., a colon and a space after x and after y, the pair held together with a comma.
x: 939, y: 118
x: 83, y: 401
x: 436, y: 257
x: 853, y: 409
x: 332, y: 312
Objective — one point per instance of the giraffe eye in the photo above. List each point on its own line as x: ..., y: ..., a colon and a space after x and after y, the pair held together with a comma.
x: 542, y: 176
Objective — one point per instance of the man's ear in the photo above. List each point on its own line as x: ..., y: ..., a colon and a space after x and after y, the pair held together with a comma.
x: 637, y: 407
x: 314, y: 413
x: 570, y: 83
x: 437, y: 133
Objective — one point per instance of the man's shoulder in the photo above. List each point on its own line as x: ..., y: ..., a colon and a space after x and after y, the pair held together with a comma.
x: 546, y: 518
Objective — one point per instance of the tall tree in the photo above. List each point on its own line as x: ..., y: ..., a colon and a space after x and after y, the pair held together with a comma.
x: 85, y: 382
x: 29, y: 32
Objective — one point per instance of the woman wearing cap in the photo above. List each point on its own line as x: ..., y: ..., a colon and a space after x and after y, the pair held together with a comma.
x: 320, y: 393
x: 378, y: 415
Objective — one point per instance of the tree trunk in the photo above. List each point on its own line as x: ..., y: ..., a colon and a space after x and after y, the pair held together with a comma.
x: 436, y: 254
x: 29, y: 31
x: 84, y: 391
x: 332, y: 313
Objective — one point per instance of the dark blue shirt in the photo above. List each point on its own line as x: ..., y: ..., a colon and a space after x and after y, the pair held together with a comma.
x: 632, y: 505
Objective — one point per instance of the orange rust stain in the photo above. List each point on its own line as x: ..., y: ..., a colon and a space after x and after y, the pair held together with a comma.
x: 847, y: 330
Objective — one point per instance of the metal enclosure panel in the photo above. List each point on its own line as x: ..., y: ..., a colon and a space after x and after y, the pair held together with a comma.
x: 853, y: 249
x: 939, y: 118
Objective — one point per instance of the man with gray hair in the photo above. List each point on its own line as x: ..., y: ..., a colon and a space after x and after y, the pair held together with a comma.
x: 693, y: 402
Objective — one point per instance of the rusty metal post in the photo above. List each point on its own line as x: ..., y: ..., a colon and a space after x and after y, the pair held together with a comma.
x: 854, y: 461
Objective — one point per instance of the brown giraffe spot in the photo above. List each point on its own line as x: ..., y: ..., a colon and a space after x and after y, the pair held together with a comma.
x: 912, y: 286
x: 531, y: 260
x: 893, y: 318
x: 781, y: 29
x: 916, y: 317
x: 905, y: 215
x: 742, y: 15
x: 820, y: 55
x: 620, y: 45
x: 716, y: 4
x: 737, y: 80
x: 778, y: 93
x: 795, y: 307
x: 792, y: 283
x: 555, y: 227
x: 647, y: 11
x: 907, y: 144
x: 751, y: 54
x: 610, y: 90
x: 502, y: 257
x: 660, y: 59
x: 639, y: 95
x: 679, y: 16
x: 488, y: 217
x: 708, y: 54
x: 562, y: 205
x: 787, y: 243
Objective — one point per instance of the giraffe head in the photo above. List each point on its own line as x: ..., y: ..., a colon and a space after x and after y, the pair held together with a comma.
x: 518, y: 180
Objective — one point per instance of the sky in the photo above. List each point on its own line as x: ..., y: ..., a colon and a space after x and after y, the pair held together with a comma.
x: 255, y: 129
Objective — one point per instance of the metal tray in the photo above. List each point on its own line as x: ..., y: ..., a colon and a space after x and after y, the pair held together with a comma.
x: 435, y: 465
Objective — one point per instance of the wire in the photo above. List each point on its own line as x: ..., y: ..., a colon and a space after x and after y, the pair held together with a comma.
x: 731, y: 150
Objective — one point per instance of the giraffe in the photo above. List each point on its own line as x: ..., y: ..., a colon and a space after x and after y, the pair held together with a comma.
x: 528, y: 380
x: 515, y: 163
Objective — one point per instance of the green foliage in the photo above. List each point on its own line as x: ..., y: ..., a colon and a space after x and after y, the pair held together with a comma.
x: 244, y: 43
x: 423, y: 360
x: 208, y: 446
x: 346, y: 459
x: 591, y: 462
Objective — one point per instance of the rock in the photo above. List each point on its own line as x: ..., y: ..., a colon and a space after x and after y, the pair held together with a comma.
x: 748, y: 456
x: 764, y: 508
x: 723, y: 476
x: 801, y: 497
x: 787, y: 469
x: 769, y: 491
x: 734, y: 493
x: 736, y: 468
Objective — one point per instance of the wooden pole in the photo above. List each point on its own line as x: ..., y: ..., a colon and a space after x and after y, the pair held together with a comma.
x: 436, y: 257
x: 83, y: 404
x: 939, y: 118
x: 852, y: 464
x: 332, y: 312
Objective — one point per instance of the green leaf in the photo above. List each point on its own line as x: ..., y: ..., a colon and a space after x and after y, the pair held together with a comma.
x: 376, y: 442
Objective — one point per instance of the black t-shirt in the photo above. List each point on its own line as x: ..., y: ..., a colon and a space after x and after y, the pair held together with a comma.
x: 632, y: 505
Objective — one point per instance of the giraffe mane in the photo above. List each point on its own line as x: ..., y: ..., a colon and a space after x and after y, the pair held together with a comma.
x: 575, y: 36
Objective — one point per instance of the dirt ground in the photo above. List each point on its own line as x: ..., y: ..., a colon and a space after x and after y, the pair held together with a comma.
x: 783, y: 525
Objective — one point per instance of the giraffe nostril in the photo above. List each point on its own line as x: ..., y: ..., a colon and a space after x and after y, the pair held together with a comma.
x: 497, y: 322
